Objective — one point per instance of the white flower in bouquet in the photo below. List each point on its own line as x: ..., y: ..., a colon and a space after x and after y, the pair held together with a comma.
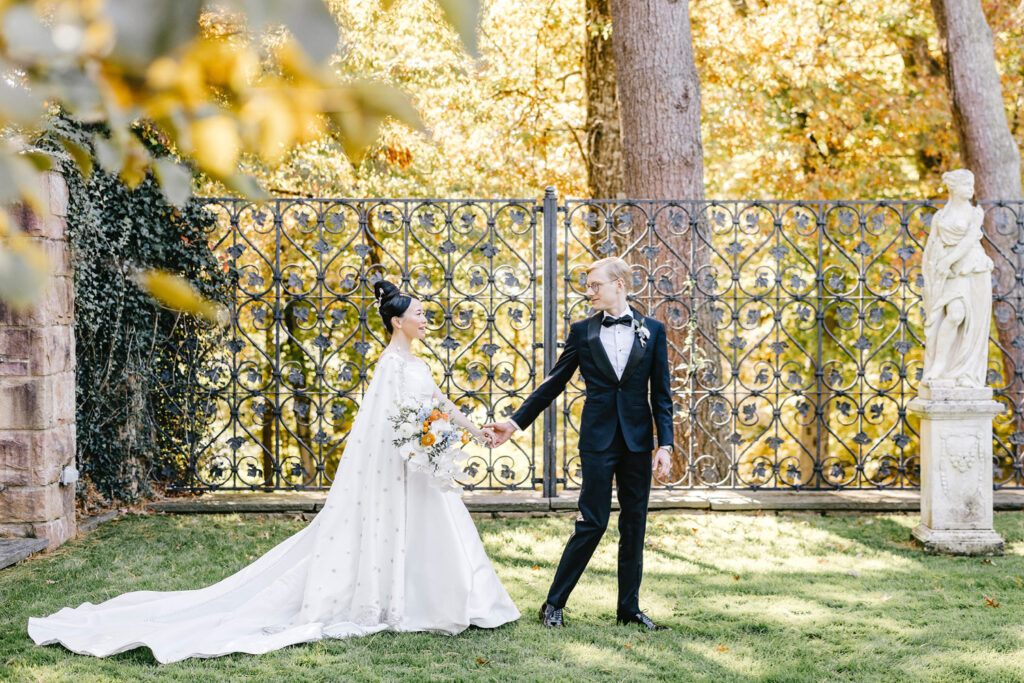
x: 440, y: 427
x: 428, y: 440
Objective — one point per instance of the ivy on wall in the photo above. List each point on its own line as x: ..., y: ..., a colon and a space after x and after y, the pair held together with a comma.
x: 140, y: 397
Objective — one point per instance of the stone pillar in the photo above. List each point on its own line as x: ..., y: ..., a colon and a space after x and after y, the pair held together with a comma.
x: 956, y: 470
x: 37, y: 390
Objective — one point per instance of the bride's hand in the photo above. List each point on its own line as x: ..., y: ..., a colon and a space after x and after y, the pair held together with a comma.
x: 477, y: 434
x: 485, y: 435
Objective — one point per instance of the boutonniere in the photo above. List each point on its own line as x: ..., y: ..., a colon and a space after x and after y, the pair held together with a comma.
x: 641, y: 332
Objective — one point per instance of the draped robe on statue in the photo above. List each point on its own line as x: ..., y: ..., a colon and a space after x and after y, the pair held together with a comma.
x: 965, y: 361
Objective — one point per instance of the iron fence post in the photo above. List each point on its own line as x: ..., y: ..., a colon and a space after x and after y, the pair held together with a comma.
x: 549, y: 317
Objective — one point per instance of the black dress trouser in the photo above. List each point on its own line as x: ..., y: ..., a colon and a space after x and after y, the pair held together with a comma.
x: 632, y: 472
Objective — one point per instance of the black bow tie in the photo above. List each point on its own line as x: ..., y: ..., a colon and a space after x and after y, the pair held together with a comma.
x: 624, y: 320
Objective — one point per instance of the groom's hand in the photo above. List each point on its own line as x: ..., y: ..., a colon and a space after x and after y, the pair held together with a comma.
x: 662, y: 463
x: 502, y: 432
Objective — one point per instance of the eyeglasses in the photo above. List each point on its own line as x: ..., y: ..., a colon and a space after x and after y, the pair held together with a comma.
x: 594, y: 286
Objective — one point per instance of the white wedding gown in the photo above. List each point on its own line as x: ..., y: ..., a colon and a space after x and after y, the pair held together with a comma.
x: 388, y: 551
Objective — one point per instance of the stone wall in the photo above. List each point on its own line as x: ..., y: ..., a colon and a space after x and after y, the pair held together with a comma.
x: 37, y: 391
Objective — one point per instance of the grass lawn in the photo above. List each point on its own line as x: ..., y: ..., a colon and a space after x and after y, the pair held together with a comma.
x: 748, y: 597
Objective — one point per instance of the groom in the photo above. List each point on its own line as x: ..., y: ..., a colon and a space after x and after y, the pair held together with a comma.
x: 619, y: 353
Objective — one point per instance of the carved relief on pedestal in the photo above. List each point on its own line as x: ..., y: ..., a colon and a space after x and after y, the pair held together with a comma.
x: 960, y: 452
x: 961, y: 473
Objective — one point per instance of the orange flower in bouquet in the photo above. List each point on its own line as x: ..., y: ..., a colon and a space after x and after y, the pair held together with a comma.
x: 428, y: 439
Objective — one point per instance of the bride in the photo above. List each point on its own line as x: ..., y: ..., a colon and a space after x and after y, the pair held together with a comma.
x: 390, y: 550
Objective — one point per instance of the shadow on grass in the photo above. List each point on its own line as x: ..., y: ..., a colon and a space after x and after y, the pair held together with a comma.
x: 736, y: 615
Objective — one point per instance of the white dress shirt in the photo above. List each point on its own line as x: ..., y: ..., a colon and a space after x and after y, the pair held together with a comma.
x: 617, y: 341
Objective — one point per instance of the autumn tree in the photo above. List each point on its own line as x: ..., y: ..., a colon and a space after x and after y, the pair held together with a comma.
x: 659, y: 100
x: 194, y: 69
x: 988, y: 148
x: 660, y: 112
x: 604, y: 139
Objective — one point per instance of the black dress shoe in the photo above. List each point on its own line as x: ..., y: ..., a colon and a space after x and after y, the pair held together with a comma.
x: 550, y: 616
x: 640, y: 619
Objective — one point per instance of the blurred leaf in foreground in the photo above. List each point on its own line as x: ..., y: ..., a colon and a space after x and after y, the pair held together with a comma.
x: 176, y: 292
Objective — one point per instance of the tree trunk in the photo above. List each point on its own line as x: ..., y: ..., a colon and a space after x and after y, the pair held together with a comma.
x: 659, y: 100
x: 989, y: 151
x: 663, y: 158
x: 603, y: 131
x: 604, y: 138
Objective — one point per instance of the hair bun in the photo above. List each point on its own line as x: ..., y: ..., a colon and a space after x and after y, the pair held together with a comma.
x: 391, y: 302
x: 384, y: 290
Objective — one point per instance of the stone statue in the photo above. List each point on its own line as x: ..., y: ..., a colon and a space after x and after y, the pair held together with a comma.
x: 957, y: 291
x: 953, y: 402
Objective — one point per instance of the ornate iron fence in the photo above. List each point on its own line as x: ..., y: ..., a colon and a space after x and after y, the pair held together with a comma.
x: 795, y: 328
x: 304, y: 335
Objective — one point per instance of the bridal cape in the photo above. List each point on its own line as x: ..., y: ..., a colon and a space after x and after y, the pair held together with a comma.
x: 388, y: 551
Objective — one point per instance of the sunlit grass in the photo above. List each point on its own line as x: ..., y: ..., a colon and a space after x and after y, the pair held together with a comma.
x: 749, y: 598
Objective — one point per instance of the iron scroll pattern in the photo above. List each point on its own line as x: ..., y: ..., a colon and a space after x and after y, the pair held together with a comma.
x: 795, y: 334
x: 283, y: 385
x: 796, y: 326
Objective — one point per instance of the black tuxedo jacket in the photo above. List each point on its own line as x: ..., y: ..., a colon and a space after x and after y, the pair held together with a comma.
x: 611, y: 401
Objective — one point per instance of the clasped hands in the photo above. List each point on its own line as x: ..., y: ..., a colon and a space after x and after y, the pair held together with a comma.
x: 498, y: 433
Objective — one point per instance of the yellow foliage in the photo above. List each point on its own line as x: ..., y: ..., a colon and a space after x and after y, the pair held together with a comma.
x: 199, y: 78
x: 23, y: 266
x: 175, y: 292
x: 215, y: 144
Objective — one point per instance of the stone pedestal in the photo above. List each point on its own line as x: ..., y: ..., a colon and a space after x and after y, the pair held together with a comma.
x: 956, y: 470
x: 37, y: 391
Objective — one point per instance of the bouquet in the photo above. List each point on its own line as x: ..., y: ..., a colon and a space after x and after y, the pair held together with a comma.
x: 429, y: 441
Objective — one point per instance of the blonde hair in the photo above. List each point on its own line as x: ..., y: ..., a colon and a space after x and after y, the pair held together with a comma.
x: 616, y: 268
